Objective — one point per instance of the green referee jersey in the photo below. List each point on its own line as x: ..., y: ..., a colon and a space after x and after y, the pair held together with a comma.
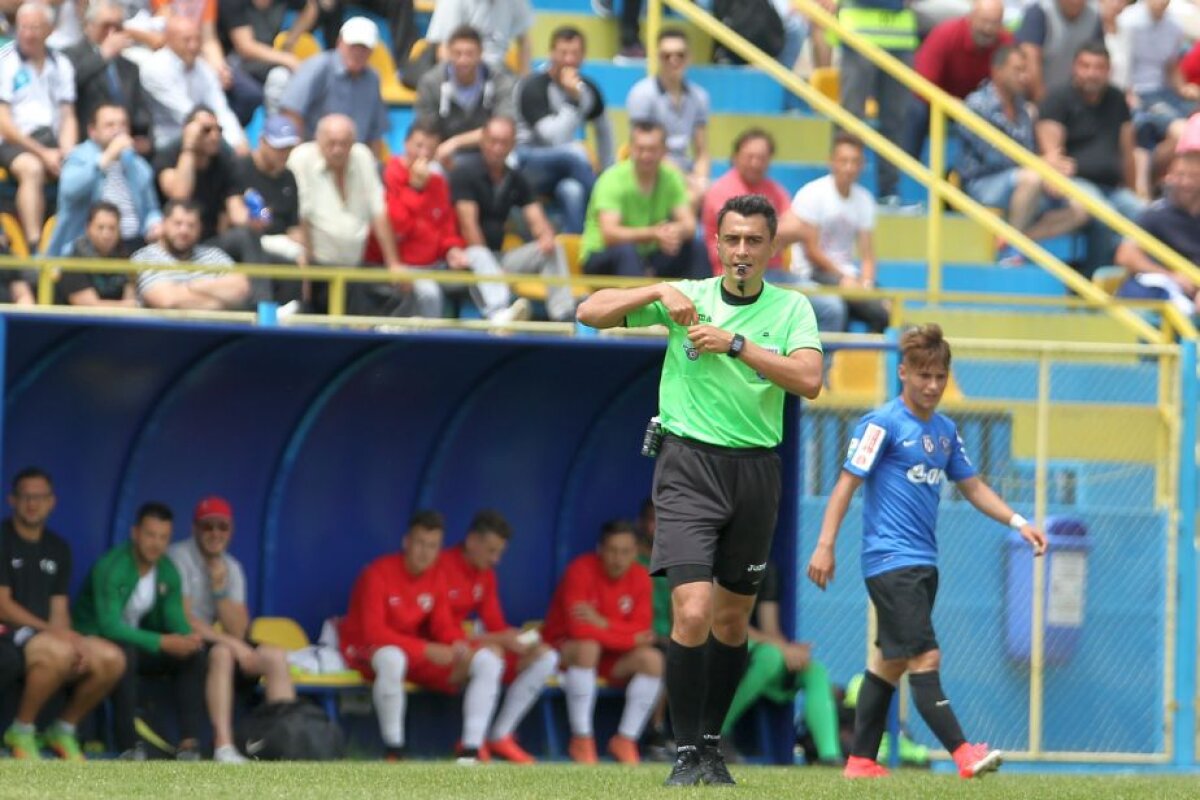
x: 716, y: 399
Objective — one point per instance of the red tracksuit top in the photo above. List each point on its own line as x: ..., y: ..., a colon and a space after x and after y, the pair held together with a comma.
x: 388, y: 606
x: 425, y: 223
x: 624, y: 602
x: 471, y: 592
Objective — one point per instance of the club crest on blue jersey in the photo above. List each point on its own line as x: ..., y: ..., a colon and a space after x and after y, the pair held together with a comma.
x: 945, y: 442
x: 927, y: 443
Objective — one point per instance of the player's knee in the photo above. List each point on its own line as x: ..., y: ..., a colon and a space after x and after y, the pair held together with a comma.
x: 45, y: 651
x: 769, y: 657
x: 692, y: 619
x: 109, y: 660
x: 1028, y: 179
x: 390, y: 665
x: 581, y: 653
x: 729, y: 624
x: 488, y: 662
x: 650, y: 661
x: 220, y: 657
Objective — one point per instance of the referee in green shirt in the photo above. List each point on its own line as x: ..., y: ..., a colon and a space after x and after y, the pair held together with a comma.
x: 736, y: 346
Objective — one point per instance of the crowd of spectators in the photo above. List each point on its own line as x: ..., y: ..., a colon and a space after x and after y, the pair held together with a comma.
x: 143, y: 104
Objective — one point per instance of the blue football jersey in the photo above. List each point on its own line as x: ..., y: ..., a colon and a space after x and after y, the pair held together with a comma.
x: 903, y: 461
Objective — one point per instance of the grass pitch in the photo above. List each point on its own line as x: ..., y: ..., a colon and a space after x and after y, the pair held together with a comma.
x: 210, y: 781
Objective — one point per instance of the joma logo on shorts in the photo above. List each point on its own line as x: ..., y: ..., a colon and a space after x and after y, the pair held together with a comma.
x: 756, y: 567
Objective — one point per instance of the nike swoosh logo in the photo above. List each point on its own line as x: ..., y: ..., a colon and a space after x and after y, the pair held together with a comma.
x: 939, y: 704
x: 909, y: 442
x: 254, y: 746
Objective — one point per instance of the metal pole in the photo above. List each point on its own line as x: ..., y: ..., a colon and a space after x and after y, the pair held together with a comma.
x: 937, y: 167
x: 1037, y: 645
x: 1186, y: 595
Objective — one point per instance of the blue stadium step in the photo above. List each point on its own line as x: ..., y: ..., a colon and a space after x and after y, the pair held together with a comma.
x: 731, y: 89
x: 984, y: 278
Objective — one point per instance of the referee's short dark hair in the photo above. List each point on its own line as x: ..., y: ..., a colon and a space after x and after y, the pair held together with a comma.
x: 615, y: 527
x: 153, y: 510
x: 29, y: 473
x: 750, y: 205
x: 924, y: 345
x: 490, y: 521
x: 428, y: 519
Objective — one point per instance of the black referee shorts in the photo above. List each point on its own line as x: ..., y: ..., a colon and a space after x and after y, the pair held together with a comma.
x: 716, y: 509
x: 903, y: 601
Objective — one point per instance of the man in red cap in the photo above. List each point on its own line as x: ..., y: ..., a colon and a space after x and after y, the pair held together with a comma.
x: 214, y: 590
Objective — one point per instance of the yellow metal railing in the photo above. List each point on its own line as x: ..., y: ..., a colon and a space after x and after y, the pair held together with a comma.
x: 1173, y: 323
x: 941, y: 191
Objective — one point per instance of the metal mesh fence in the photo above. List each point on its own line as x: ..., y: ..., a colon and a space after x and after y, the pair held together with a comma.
x: 1084, y: 439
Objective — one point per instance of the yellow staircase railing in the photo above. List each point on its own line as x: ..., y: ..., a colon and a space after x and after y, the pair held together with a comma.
x: 942, y: 193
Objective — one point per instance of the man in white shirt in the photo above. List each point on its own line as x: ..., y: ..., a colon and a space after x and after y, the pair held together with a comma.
x: 37, y: 114
x: 178, y: 80
x: 341, y: 205
x: 214, y: 590
x: 837, y: 247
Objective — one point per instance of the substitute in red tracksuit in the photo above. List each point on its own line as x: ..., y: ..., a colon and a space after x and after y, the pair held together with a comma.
x: 468, y: 575
x: 400, y: 627
x: 600, y: 620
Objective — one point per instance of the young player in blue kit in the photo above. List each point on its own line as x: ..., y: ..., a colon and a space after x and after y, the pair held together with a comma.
x: 903, y: 452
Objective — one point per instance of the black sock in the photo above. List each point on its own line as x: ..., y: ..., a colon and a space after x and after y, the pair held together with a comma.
x: 725, y: 667
x: 935, y: 708
x: 685, y: 692
x: 870, y: 715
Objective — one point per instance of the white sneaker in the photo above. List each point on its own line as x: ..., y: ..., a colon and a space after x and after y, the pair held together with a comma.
x: 519, y: 311
x: 228, y: 754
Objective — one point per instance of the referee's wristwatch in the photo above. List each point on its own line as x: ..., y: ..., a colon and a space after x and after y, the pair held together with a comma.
x: 735, y: 347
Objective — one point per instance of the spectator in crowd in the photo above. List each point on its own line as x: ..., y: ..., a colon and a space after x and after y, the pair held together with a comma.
x: 628, y: 26
x: 956, y: 56
x: 463, y: 94
x: 423, y: 220
x: 640, y: 220
x: 500, y: 24
x: 400, y: 627
x: 752, y: 153
x: 37, y: 115
x: 891, y: 25
x: 214, y: 591
x: 215, y: 289
x: 484, y: 198
x: 1085, y: 132
x: 1175, y: 221
x: 67, y: 29
x: 680, y: 107
x: 600, y: 621
x: 36, y: 640
x: 103, y: 75
x: 179, y: 81
x: 246, y: 30
x: 469, y: 579
x: 1117, y: 54
x: 106, y: 167
x: 132, y: 596
x: 990, y: 177
x: 341, y: 205
x: 199, y: 168
x: 399, y: 13
x: 272, y: 201
x: 837, y: 244
x: 101, y: 239
x: 777, y: 669
x: 340, y: 81
x: 552, y: 106
x: 1161, y: 99
x: 1051, y: 32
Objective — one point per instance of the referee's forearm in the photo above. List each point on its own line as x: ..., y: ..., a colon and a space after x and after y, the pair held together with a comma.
x: 607, y: 308
x: 797, y: 375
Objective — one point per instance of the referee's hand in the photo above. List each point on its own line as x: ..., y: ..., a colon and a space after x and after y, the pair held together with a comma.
x: 821, y: 566
x: 680, y: 308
